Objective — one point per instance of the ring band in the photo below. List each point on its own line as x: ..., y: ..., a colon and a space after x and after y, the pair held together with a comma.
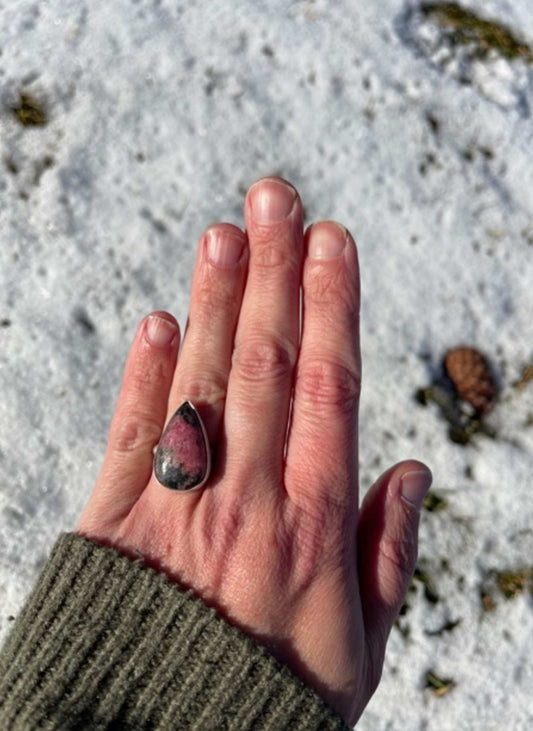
x: 182, y: 459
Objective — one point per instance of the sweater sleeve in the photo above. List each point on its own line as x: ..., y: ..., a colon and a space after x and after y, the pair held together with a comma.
x: 104, y: 642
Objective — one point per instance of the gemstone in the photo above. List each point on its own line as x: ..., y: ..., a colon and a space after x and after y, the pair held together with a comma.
x: 182, y: 457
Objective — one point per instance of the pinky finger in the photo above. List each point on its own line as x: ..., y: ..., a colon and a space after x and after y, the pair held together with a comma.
x: 137, y: 423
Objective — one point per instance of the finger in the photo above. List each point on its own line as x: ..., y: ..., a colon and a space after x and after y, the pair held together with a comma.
x: 137, y: 422
x: 205, y: 357
x: 321, y: 463
x: 387, y: 543
x: 266, y: 340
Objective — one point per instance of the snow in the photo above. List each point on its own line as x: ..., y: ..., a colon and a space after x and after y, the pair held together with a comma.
x: 160, y: 115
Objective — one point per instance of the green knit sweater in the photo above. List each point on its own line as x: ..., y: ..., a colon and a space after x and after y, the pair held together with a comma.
x: 105, y: 643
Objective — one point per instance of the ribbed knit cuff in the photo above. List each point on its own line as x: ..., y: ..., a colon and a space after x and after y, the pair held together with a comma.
x: 104, y: 642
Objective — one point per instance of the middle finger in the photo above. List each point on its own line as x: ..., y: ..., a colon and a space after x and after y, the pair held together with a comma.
x: 205, y: 357
x: 266, y: 340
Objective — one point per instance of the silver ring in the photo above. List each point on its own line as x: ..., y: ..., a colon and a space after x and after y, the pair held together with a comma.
x: 182, y: 459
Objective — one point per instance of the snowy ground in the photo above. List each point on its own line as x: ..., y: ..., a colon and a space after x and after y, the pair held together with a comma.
x: 159, y: 116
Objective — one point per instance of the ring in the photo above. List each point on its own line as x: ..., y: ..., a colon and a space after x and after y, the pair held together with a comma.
x: 182, y: 460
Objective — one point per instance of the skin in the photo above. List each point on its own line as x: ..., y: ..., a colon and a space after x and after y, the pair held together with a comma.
x: 276, y: 540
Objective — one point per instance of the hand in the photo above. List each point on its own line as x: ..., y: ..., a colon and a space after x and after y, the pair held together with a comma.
x: 275, y: 540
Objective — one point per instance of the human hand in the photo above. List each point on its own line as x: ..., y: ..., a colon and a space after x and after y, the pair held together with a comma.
x: 275, y: 540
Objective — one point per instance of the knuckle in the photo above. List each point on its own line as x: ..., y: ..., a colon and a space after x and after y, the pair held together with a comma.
x: 205, y: 386
x: 326, y: 383
x: 148, y: 373
x: 401, y: 554
x: 333, y: 287
x: 269, y: 255
x: 135, y: 434
x: 211, y: 297
x: 265, y: 357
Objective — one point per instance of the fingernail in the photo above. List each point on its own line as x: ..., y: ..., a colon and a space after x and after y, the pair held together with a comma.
x: 159, y: 332
x: 271, y: 201
x: 223, y: 249
x: 327, y: 240
x: 414, y: 486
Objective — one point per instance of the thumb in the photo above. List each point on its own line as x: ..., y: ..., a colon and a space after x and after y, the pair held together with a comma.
x: 387, y: 543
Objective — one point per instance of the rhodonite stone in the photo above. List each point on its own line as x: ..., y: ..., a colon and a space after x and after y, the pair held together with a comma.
x: 181, y: 460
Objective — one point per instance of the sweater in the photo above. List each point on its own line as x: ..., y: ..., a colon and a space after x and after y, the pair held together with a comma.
x: 104, y: 642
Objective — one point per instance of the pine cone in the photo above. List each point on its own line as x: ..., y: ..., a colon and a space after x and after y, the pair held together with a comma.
x: 470, y: 374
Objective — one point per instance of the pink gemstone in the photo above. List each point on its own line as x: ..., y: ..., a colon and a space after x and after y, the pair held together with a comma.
x: 181, y: 460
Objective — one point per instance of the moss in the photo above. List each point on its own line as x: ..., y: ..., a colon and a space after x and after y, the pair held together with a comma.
x: 434, y: 502
x: 448, y: 626
x: 463, y: 425
x: 11, y: 165
x: 439, y: 686
x: 525, y: 378
x: 467, y: 27
x: 463, y: 433
x: 403, y: 628
x: 29, y: 111
x: 430, y: 592
x: 513, y: 583
x: 509, y: 583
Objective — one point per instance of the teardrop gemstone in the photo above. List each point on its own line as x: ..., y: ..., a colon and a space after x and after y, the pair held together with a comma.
x: 182, y: 457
